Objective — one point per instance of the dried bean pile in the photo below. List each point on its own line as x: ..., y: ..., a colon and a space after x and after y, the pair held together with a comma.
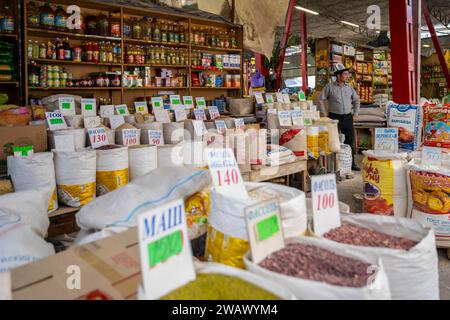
x: 313, y: 263
x: 359, y: 236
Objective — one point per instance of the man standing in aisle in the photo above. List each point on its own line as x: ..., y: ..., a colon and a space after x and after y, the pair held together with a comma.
x: 343, y: 105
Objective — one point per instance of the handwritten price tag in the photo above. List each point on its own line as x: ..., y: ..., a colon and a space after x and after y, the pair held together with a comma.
x: 106, y: 111
x: 280, y: 97
x: 98, y: 137
x: 221, y: 126
x: 286, y: 98
x: 175, y: 100
x: 122, y: 110
x: 201, y: 103
x: 386, y: 139
x: 285, y: 118
x: 432, y: 156
x: 199, y: 127
x: 66, y: 106
x: 259, y: 98
x: 55, y: 121
x: 116, y: 121
x: 188, y: 102
x: 180, y: 112
x: 225, y: 173
x: 162, y: 115
x: 264, y: 229
x: 325, y: 203
x: 269, y: 98
x: 89, y: 107
x: 130, y: 137
x: 297, y: 119
x: 213, y: 112
x: 157, y: 103
x: 239, y: 123
x: 141, y: 107
x: 91, y: 122
x: 200, y: 114
x: 155, y: 137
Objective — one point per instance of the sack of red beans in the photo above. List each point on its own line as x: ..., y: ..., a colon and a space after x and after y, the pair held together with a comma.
x: 407, y: 250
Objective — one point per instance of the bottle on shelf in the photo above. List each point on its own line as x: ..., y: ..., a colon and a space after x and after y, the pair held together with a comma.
x: 60, y: 19
x: 47, y: 17
x: 42, y: 51
x: 127, y: 28
x: 67, y: 51
x: 33, y: 15
x: 60, y: 50
x: 114, y: 26
x: 164, y: 37
x: 137, y: 31
x: 234, y: 43
x: 156, y: 31
x: 182, y: 34
x: 91, y: 25
x: 171, y: 33
x: 146, y: 27
x: 102, y: 25
x: 30, y: 49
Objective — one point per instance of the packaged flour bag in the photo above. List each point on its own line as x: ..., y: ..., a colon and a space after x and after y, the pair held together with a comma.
x: 407, y: 118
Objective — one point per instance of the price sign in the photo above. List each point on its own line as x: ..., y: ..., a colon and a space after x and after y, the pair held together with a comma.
x: 225, y: 173
x: 269, y: 98
x: 162, y: 115
x: 116, y: 121
x: 175, y: 100
x: 55, y: 121
x: 141, y: 107
x: 312, y: 108
x: 239, y: 123
x: 297, y: 119
x: 301, y: 96
x: 122, y: 110
x: 307, y: 121
x: 188, y: 102
x: 155, y: 137
x: 325, y: 203
x: 213, y: 112
x: 23, y: 151
x: 280, y: 97
x: 164, y: 247
x: 386, y: 139
x: 130, y: 137
x: 199, y: 127
x: 285, y: 118
x: 259, y: 98
x: 199, y: 114
x: 264, y: 229
x: 272, y: 111
x: 221, y: 126
x: 5, y: 286
x: 106, y: 111
x: 157, y: 103
x: 180, y: 112
x: 89, y: 107
x: 98, y: 137
x: 91, y: 122
x: 201, y: 103
x: 286, y: 98
x: 66, y: 106
x: 64, y: 142
x: 432, y: 156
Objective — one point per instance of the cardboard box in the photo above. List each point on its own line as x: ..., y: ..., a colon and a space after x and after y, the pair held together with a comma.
x: 22, y: 136
x: 108, y: 268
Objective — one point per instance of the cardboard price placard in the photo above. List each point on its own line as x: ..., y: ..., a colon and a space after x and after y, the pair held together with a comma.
x: 162, y: 115
x: 188, y: 102
x: 286, y: 98
x: 199, y: 127
x: 280, y: 97
x: 272, y: 111
x: 55, y: 120
x: 301, y: 96
x: 122, y: 110
x: 130, y: 137
x: 116, y: 121
x: 106, y: 111
x: 98, y: 137
x: 297, y: 119
x: 386, y: 140
x: 259, y: 98
x: 239, y: 123
x: 89, y: 107
x: 201, y: 103
x: 269, y: 98
x: 67, y: 106
x: 91, y: 122
x: 155, y: 137
x: 285, y: 118
x: 23, y: 151
x: 5, y: 286
x: 157, y: 103
x: 141, y: 107
x: 264, y: 229
x: 213, y: 112
x: 180, y: 112
x: 225, y: 173
x: 164, y: 247
x: 175, y: 100
x: 221, y: 126
x: 431, y: 156
x: 200, y: 114
x: 65, y: 142
x: 325, y: 203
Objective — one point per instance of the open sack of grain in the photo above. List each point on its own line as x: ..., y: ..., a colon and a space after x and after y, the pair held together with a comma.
x: 23, y: 226
x: 313, y: 269
x: 227, y: 240
x: 219, y: 282
x: 406, y: 247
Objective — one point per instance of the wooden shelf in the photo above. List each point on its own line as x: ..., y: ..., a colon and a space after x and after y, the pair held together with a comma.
x: 155, y: 88
x: 174, y: 66
x: 16, y: 83
x: 75, y: 89
x: 201, y: 68
x: 209, y: 88
x: 165, y: 44
x: 206, y: 48
x: 60, y: 34
x: 8, y: 36
x: 69, y: 62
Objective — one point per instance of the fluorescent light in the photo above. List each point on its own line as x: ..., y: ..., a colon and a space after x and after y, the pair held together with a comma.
x: 350, y: 24
x: 286, y: 62
x: 306, y: 10
x: 426, y: 46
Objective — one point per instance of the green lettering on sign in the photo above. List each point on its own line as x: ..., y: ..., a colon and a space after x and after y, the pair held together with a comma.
x: 157, y: 104
x: 176, y: 102
x: 267, y: 227
x: 88, y: 106
x: 201, y: 103
x: 188, y: 102
x: 66, y: 105
x: 56, y: 121
x: 121, y: 111
x: 164, y: 248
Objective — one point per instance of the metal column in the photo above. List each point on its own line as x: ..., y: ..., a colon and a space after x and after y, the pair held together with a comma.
x: 404, y: 85
x: 304, y: 51
x: 284, y: 42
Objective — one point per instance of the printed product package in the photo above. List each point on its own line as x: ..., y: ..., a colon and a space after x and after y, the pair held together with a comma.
x: 437, y: 125
x: 407, y: 118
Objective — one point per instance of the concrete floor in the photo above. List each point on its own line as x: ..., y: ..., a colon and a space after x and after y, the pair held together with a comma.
x: 347, y: 188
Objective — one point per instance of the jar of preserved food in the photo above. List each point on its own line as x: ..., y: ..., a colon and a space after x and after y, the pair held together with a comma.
x: 103, y: 25
x: 114, y: 25
x: 60, y: 19
x: 47, y: 17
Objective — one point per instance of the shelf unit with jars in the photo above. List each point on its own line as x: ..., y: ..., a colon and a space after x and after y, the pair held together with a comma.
x: 123, y: 54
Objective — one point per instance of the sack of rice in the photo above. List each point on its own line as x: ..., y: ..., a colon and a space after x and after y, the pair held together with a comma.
x: 142, y: 160
x: 170, y: 155
x: 258, y: 145
x: 345, y: 159
x: 75, y: 177
x: 112, y: 168
x: 146, y: 127
x: 294, y: 138
x: 227, y: 239
x: 79, y: 137
x: 384, y: 178
x: 407, y: 249
x: 407, y: 119
x: 312, y: 135
x: 313, y: 269
x: 128, y: 135
x: 35, y: 172
x: 173, y: 132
